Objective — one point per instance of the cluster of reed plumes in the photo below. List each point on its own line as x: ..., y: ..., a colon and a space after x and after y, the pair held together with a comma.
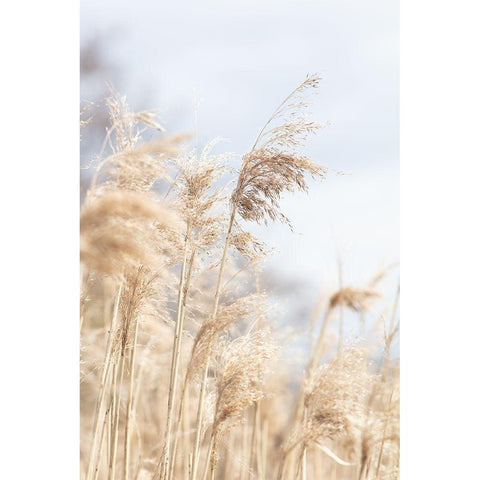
x: 182, y: 374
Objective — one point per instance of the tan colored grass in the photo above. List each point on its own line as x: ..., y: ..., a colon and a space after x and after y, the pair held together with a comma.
x: 184, y: 370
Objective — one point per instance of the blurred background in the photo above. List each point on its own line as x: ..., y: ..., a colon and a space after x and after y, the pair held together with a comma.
x: 219, y: 69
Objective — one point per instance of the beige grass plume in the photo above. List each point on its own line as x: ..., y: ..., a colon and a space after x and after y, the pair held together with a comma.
x: 244, y: 308
x: 357, y: 299
x: 199, y: 196
x: 118, y: 230
x: 242, y: 366
x: 334, y: 399
x: 133, y: 165
x: 273, y: 165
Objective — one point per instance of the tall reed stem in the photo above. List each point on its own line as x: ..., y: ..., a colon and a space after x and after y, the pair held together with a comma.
x: 117, y: 391
x: 184, y: 389
x: 304, y: 464
x: 340, y: 320
x: 201, y: 401
x: 175, y: 357
x: 313, y: 364
x: 254, y: 441
x: 208, y: 468
x: 97, y: 426
x: 380, y: 456
x: 264, y: 450
x: 126, y: 464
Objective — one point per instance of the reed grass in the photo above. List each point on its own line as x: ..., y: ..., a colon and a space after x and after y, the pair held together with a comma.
x: 182, y: 361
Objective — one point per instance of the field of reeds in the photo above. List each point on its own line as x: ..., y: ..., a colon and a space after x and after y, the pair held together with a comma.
x: 183, y: 361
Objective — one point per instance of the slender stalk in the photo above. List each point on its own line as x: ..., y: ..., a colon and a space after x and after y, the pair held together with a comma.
x: 259, y: 441
x: 201, y: 401
x: 186, y: 440
x: 228, y: 454
x: 264, y: 450
x: 113, y: 419
x: 108, y: 425
x: 313, y: 364
x: 340, y: 320
x: 253, y: 442
x: 321, y: 338
x: 298, y: 462
x: 175, y: 357
x: 211, y: 461
x: 190, y: 457
x: 96, y: 443
x: 118, y: 387
x: 117, y: 393
x: 280, y: 467
x: 198, y: 429
x: 105, y: 421
x: 243, y: 475
x: 316, y: 463
x: 367, y: 469
x: 180, y: 416
x: 83, y: 299
x: 126, y: 463
x: 362, y: 468
x: 283, y: 461
x: 304, y: 464
x: 302, y: 457
x: 184, y: 389
x: 380, y: 456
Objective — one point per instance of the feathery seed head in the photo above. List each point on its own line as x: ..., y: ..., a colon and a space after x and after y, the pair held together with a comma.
x: 246, y: 308
x: 118, y: 230
x: 273, y: 165
x: 335, y: 397
x: 242, y: 368
x: 358, y: 299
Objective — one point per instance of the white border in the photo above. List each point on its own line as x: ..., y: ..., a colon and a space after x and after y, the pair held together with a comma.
x: 440, y: 240
x: 39, y: 91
